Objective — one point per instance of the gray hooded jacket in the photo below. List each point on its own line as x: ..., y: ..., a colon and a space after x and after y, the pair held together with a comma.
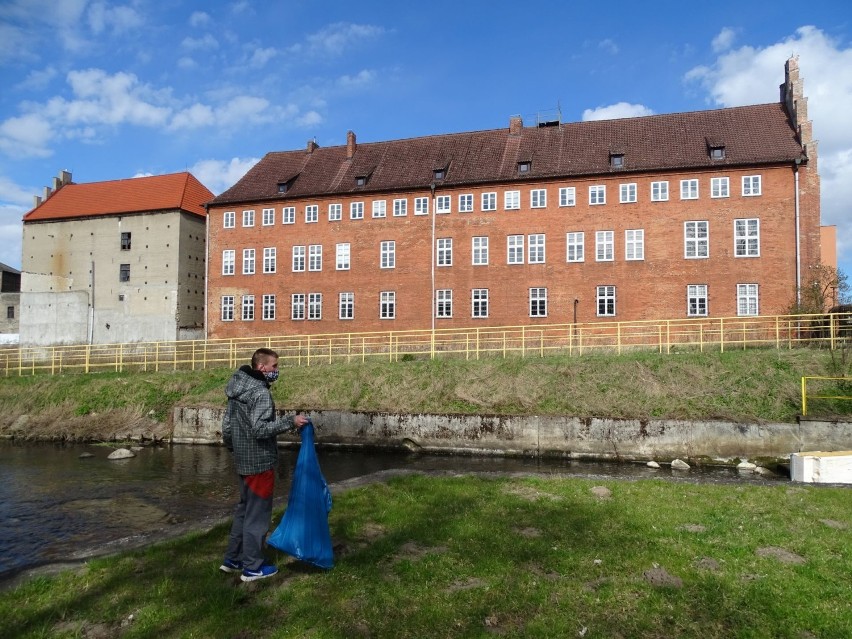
x: 250, y: 426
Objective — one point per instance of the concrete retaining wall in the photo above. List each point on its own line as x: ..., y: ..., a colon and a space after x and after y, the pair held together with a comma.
x: 546, y: 436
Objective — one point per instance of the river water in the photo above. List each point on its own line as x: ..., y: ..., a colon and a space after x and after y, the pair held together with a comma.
x: 59, y: 506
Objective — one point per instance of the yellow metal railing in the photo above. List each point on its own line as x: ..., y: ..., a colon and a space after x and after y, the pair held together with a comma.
x: 843, y: 382
x: 663, y: 336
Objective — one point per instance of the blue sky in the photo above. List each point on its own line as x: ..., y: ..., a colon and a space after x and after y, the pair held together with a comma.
x: 111, y: 90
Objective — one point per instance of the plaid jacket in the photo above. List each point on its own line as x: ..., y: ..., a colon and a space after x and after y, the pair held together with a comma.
x: 250, y: 426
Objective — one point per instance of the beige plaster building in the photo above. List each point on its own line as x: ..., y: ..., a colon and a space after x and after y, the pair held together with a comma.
x: 116, y: 261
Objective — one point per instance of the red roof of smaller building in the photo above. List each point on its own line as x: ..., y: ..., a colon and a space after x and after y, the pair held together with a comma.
x: 133, y: 195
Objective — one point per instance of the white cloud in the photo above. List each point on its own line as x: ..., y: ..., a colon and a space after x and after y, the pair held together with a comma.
x: 750, y: 75
x: 336, y: 38
x: 724, y: 40
x: 360, y: 79
x: 261, y: 56
x: 186, y: 63
x: 14, y: 202
x: 205, y: 43
x: 220, y: 175
x: 37, y: 79
x: 26, y: 136
x: 309, y: 119
x: 609, y: 46
x: 616, y: 111
x: 103, y: 17
x: 199, y: 19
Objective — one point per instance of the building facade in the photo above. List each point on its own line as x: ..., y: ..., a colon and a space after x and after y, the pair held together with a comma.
x: 10, y: 302
x: 117, y: 261
x: 711, y: 213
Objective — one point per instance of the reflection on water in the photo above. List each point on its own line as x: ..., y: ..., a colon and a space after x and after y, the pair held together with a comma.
x: 56, y: 506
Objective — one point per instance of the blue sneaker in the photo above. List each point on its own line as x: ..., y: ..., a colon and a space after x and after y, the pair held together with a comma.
x: 231, y: 566
x: 266, y: 570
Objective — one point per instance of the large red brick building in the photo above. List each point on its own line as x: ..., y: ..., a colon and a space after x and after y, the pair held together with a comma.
x: 710, y: 213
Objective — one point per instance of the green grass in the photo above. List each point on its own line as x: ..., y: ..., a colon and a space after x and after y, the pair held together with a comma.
x: 425, y: 557
x: 753, y: 385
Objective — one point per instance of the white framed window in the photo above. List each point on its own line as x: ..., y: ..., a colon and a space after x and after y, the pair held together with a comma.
x: 268, y: 217
x: 314, y: 306
x: 248, y: 308
x: 747, y: 237
x: 228, y: 260
x: 719, y: 187
x: 604, y: 246
x: 567, y: 196
x: 538, y: 198
x: 489, y: 201
x: 297, y: 306
x: 747, y: 300
x: 421, y: 206
x: 270, y: 260
x: 342, y: 257
x: 387, y: 254
x: 535, y: 248
x: 634, y: 244
x: 380, y: 208
x: 387, y: 305
x: 248, y: 261
x: 268, y: 308
x: 400, y: 208
x: 627, y: 193
x: 229, y: 220
x: 335, y: 212
x: 315, y: 257
x: 689, y: 189
x: 288, y: 215
x: 512, y: 200
x: 515, y: 249
x: 346, y: 306
x: 751, y: 185
x: 227, y: 308
x: 538, y: 302
x: 248, y: 218
x: 443, y: 204
x: 696, y: 300
x: 444, y: 250
x: 696, y: 239
x: 479, y: 303
x: 444, y: 303
x: 311, y: 213
x: 298, y: 258
x: 479, y: 250
x: 605, y: 298
x: 660, y: 191
x: 575, y: 243
x: 597, y: 194
x: 356, y: 210
x: 465, y: 202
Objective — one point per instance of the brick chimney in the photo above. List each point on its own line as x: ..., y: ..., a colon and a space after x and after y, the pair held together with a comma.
x: 312, y: 145
x: 350, y: 145
x: 515, y: 125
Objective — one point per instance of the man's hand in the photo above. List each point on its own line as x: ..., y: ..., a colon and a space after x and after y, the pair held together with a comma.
x: 300, y: 420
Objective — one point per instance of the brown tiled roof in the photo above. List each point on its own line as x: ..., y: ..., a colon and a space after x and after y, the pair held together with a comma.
x: 751, y: 135
x: 132, y: 195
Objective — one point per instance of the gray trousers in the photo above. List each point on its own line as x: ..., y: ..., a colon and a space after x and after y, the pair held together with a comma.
x: 251, y: 520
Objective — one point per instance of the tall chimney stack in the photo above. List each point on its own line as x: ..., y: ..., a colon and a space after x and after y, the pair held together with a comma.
x: 350, y: 145
x: 515, y: 125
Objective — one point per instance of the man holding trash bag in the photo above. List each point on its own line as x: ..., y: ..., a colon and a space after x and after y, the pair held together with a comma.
x: 250, y: 429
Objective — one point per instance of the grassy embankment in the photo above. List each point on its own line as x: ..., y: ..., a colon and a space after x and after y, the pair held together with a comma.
x: 753, y: 386
x: 423, y: 557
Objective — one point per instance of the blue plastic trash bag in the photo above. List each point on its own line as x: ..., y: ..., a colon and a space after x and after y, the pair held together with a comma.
x: 303, y: 531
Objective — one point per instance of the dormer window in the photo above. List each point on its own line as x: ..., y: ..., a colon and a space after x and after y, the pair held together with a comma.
x: 282, y: 187
x: 524, y: 167
x: 439, y: 174
x: 717, y: 152
x: 361, y: 180
x: 616, y: 160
